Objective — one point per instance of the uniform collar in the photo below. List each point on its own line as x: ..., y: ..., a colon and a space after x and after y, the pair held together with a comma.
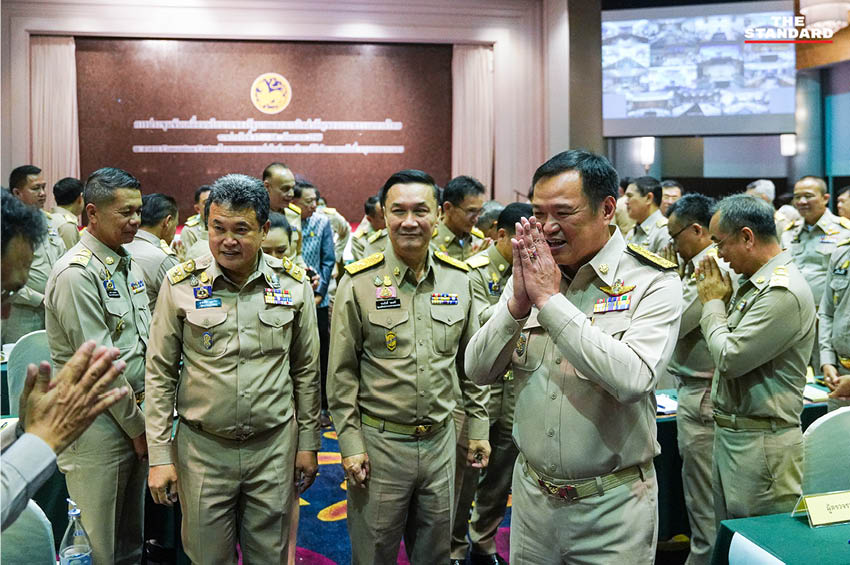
x: 827, y: 223
x: 110, y: 259
x: 442, y: 232
x: 761, y: 278
x: 500, y: 264
x: 607, y: 259
x: 213, y: 269
x: 399, y: 268
x: 647, y: 225
x: 65, y: 213
x: 148, y: 237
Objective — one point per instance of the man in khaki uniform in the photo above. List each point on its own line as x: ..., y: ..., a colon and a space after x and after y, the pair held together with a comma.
x: 151, y: 248
x: 195, y: 229
x: 671, y: 191
x: 280, y: 184
x: 247, y: 394
x: 374, y: 222
x: 834, y: 319
x: 456, y: 233
x: 488, y: 220
x: 586, y: 323
x: 842, y: 203
x: 68, y: 194
x: 643, y: 197
x: 96, y: 292
x: 27, y: 305
x: 760, y: 339
x: 693, y: 369
x: 401, y: 319
x: 490, y: 271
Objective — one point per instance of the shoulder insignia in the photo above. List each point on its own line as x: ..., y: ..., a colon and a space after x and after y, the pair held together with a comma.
x: 48, y: 214
x: 293, y: 270
x: 166, y: 248
x: 712, y: 252
x: 376, y: 236
x: 81, y: 257
x: 446, y: 258
x: 294, y: 208
x: 661, y: 223
x: 779, y: 276
x: 845, y: 223
x: 646, y: 256
x: 330, y: 210
x: 779, y: 216
x: 70, y: 220
x: 478, y: 233
x: 177, y: 273
x: 478, y: 261
x: 193, y: 220
x: 364, y: 263
x: 359, y: 234
x: 435, y: 232
x: 845, y: 242
x: 795, y: 224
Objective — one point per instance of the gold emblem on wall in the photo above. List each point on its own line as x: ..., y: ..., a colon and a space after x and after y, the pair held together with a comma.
x: 271, y: 93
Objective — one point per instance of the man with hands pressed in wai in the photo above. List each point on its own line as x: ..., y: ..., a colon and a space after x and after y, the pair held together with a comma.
x: 585, y: 323
x: 400, y: 324
x: 760, y: 337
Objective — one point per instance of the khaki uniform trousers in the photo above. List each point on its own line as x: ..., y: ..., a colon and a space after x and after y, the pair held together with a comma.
x: 494, y: 485
x: 756, y: 472
x: 108, y: 482
x: 695, y: 431
x: 465, y: 482
x: 621, y: 526
x: 236, y: 491
x: 409, y: 493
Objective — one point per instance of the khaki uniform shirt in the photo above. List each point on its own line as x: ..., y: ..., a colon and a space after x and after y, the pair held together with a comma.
x: 444, y: 239
x: 762, y: 342
x: 250, y: 354
x: 97, y: 293
x: 691, y: 357
x: 359, y: 239
x: 66, y: 226
x: 489, y: 272
x: 376, y: 242
x: 395, y: 358
x: 811, y: 247
x: 200, y: 248
x: 27, y: 304
x: 585, y: 378
x: 154, y: 257
x: 834, y: 312
x: 193, y: 230
x: 293, y: 216
x: 651, y: 233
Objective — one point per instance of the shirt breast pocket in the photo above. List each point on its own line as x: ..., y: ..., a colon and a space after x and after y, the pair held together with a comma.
x: 143, y: 314
x: 387, y: 337
x: 203, y: 333
x: 614, y: 325
x: 275, y: 330
x: 446, y: 328
x: 119, y: 320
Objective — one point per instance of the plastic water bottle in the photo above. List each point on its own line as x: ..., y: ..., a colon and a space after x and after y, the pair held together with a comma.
x: 75, y: 548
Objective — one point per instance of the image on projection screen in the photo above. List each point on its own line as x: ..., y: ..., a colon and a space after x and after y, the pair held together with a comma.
x: 694, y: 75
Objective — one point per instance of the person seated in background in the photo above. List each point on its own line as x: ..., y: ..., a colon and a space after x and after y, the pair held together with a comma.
x: 68, y: 194
x: 151, y: 248
x: 671, y: 191
x: 27, y: 305
x: 842, y: 203
x: 370, y: 236
x: 643, y: 201
x: 456, y: 234
x: 276, y: 242
x: 195, y: 228
x: 488, y: 221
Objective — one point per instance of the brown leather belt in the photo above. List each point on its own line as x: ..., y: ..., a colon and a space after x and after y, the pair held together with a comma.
x: 418, y: 430
x: 581, y: 488
x: 736, y: 422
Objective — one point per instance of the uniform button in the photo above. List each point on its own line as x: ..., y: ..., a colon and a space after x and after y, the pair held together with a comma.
x: 242, y: 361
x: 553, y: 467
x: 422, y: 393
x: 421, y: 368
x: 419, y: 316
x: 551, y: 432
x: 421, y: 342
x: 558, y: 360
x: 554, y: 395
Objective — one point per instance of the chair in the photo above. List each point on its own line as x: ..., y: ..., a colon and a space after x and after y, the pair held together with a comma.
x: 826, y: 453
x: 29, y: 540
x: 31, y: 348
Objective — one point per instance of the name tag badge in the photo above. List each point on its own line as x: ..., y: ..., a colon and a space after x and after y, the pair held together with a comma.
x: 111, y: 291
x: 388, y: 303
x: 208, y: 303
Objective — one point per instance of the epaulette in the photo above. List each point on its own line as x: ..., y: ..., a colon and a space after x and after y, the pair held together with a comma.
x: 48, y: 214
x: 478, y: 261
x: 179, y: 272
x: 81, y: 257
x: 795, y: 224
x: 166, y: 248
x: 435, y: 232
x: 646, y: 256
x: 845, y: 242
x: 294, y: 208
x: 364, y: 263
x: 69, y: 220
x: 845, y: 223
x: 359, y: 233
x: 446, y: 258
x: 293, y: 270
x: 330, y: 210
x: 477, y: 233
x: 376, y: 236
x: 779, y: 276
x: 661, y: 223
x: 193, y: 220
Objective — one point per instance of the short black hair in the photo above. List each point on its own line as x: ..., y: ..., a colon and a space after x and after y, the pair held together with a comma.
x: 693, y: 209
x: 67, y: 190
x: 460, y: 187
x: 302, y: 185
x: 647, y: 184
x: 371, y: 205
x: 18, y: 219
x: 489, y: 213
x: 156, y: 207
x: 512, y: 214
x: 670, y: 183
x: 598, y: 177
x: 409, y: 176
x: 200, y: 190
x: 18, y: 176
x: 269, y: 170
x: 843, y: 190
x: 102, y: 184
x: 742, y: 210
x: 278, y: 220
x: 625, y: 182
x: 240, y: 192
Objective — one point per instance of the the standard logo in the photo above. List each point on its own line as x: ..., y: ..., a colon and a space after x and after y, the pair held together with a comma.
x: 271, y: 93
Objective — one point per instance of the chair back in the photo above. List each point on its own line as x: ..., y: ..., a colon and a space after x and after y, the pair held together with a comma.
x: 826, y: 453
x: 29, y: 539
x: 31, y: 348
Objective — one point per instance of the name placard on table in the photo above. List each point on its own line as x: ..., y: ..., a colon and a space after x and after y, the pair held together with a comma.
x: 825, y: 509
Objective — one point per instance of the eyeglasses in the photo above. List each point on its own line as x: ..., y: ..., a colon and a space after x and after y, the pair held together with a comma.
x: 720, y: 243
x: 678, y: 233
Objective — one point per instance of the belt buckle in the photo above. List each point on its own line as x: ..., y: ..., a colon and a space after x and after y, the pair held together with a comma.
x: 566, y: 492
x: 422, y: 429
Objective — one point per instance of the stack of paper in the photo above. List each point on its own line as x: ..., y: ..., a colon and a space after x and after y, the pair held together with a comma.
x: 666, y: 405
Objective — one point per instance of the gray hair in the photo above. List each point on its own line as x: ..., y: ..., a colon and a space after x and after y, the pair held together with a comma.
x: 240, y: 192
x: 763, y: 186
x: 742, y: 210
x: 489, y: 214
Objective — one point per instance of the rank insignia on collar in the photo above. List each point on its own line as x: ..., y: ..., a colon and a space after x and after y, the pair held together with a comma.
x: 387, y: 280
x: 617, y: 303
x: 208, y: 341
x: 520, y: 344
x: 377, y: 281
x: 277, y: 296
x: 444, y: 298
x: 193, y: 280
x: 385, y: 292
x: 202, y: 292
x: 205, y: 278
x: 617, y: 288
x: 137, y: 287
x: 391, y: 340
x: 396, y: 271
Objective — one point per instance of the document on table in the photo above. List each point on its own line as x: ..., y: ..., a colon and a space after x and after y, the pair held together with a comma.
x: 665, y: 404
x: 815, y: 394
